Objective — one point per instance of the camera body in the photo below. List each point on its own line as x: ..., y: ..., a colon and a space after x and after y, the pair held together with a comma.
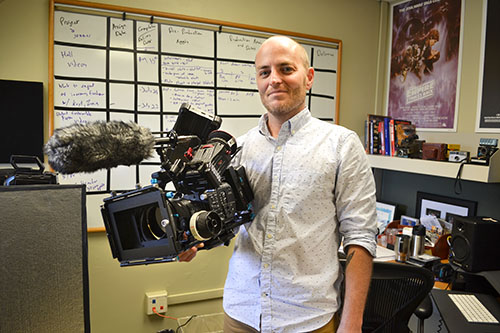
x: 487, y: 147
x: 410, y: 147
x: 458, y: 156
x: 434, y: 151
x: 211, y: 198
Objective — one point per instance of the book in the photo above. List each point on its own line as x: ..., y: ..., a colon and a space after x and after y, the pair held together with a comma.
x: 381, y: 131
x: 375, y: 138
x: 402, y: 129
x: 384, y: 134
x: 366, y: 141
x: 387, y: 138
x: 392, y: 137
x: 378, y: 134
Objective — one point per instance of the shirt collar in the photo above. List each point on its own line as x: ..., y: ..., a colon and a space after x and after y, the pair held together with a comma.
x: 292, y: 125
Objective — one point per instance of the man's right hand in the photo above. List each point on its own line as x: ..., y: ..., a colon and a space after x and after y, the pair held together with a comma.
x: 188, y: 255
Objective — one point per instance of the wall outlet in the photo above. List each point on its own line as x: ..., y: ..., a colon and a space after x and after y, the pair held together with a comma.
x: 156, y: 300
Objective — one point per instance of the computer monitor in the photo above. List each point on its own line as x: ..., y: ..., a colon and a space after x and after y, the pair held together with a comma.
x: 21, y: 110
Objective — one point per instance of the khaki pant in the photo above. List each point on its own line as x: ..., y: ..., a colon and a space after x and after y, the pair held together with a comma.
x: 233, y: 326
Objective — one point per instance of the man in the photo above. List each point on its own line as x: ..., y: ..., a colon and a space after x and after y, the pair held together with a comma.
x: 312, y: 185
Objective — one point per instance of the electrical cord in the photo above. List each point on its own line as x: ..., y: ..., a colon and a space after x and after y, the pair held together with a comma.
x: 179, y: 327
x: 458, y: 178
x: 168, y: 317
x: 440, y: 324
x: 452, y: 277
x: 452, y: 280
x: 168, y: 330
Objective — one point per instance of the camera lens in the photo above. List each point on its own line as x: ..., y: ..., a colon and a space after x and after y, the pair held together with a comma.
x: 150, y: 219
x: 205, y: 225
x: 224, y: 137
x: 482, y: 151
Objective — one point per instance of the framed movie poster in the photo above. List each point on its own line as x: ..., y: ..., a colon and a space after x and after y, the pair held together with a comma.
x: 488, y: 113
x: 424, y: 71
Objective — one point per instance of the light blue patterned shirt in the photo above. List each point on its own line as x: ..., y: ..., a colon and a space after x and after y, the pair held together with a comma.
x: 311, y: 184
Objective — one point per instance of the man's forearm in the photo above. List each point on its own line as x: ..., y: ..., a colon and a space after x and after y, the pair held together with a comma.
x: 357, y: 281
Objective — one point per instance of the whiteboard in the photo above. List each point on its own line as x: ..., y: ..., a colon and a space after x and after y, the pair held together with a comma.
x: 109, y: 65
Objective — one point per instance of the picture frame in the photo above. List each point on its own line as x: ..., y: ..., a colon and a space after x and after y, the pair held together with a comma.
x: 424, y: 63
x: 385, y: 214
x: 487, y: 116
x: 446, y: 208
x: 409, y: 221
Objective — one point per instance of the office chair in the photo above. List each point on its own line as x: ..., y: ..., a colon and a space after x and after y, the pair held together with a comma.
x: 396, y: 292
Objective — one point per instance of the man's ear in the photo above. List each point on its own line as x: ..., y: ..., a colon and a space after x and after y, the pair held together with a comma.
x: 310, y: 78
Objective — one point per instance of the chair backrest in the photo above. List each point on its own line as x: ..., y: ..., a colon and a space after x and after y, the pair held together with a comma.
x: 395, y: 292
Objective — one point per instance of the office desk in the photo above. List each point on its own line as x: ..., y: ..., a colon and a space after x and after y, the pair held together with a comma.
x: 454, y: 320
x: 385, y: 254
x: 445, y: 311
x: 493, y: 277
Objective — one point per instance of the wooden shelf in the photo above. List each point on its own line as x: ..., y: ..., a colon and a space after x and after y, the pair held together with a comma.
x: 472, y: 172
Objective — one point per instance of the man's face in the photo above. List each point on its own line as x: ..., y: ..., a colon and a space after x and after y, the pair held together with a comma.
x: 282, y: 78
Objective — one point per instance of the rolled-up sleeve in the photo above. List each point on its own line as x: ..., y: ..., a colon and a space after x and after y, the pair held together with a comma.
x: 355, y: 196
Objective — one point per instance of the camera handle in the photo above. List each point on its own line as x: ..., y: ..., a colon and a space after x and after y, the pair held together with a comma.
x: 26, y: 159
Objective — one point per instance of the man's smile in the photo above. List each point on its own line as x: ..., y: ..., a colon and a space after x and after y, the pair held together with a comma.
x: 277, y: 92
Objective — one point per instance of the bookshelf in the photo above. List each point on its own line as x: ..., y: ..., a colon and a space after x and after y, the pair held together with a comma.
x: 472, y: 172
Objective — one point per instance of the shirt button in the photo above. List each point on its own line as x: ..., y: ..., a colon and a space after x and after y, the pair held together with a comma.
x: 266, y: 265
x: 278, y: 148
x: 273, y: 206
x: 269, y: 236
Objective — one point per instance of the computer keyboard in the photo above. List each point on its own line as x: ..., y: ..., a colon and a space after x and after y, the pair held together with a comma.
x: 472, y: 309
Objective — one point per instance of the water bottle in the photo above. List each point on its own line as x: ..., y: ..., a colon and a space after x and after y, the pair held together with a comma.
x: 417, y: 246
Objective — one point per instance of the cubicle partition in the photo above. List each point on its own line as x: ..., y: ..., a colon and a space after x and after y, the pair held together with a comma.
x: 43, y: 259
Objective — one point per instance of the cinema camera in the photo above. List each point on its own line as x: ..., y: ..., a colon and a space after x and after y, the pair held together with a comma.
x: 211, y: 198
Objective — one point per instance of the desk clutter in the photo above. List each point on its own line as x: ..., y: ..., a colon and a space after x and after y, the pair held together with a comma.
x: 414, y: 240
x: 472, y: 242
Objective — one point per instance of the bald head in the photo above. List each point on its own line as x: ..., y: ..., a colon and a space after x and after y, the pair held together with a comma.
x: 287, y: 43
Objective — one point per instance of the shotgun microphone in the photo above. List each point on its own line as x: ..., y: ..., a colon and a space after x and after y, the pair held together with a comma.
x: 98, y: 145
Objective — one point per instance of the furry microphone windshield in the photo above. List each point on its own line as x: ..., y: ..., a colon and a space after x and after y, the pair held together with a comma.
x: 98, y: 145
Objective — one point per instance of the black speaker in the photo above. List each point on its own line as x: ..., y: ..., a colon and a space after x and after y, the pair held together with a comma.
x: 475, y: 243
